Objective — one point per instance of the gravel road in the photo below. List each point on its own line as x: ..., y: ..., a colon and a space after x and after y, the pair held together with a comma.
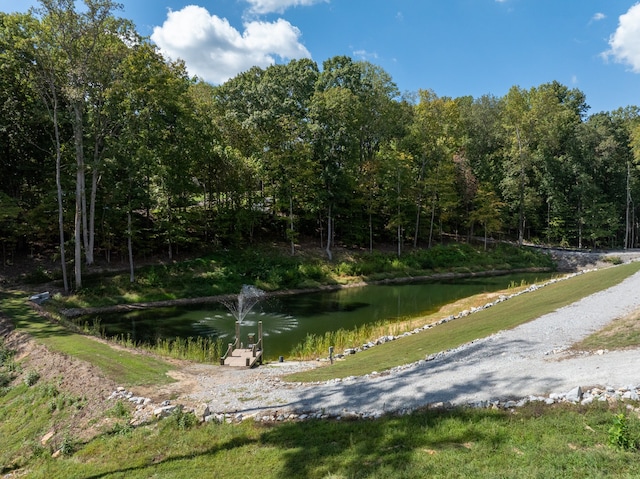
x: 531, y: 359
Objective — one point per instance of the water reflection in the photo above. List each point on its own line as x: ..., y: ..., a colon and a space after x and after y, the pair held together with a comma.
x: 288, y: 319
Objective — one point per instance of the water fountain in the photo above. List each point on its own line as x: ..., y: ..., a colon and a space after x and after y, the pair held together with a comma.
x: 239, y: 307
x: 244, y: 302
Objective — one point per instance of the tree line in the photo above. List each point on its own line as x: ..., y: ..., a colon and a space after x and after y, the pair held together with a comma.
x: 108, y: 148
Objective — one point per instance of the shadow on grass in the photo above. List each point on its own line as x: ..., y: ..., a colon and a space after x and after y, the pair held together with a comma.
x: 234, y: 443
x: 319, y: 448
x: 385, y: 446
x: 29, y: 317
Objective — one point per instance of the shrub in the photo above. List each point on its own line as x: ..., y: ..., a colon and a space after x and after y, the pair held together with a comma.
x: 118, y: 410
x: 183, y: 420
x: 5, y: 379
x: 5, y: 354
x: 619, y: 434
x: 121, y: 429
x: 31, y: 378
x: 67, y: 446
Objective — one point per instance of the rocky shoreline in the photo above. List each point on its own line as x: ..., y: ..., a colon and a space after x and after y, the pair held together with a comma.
x: 506, y: 370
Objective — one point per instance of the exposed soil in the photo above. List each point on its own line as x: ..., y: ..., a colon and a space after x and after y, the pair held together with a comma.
x: 76, y: 379
x: 81, y: 380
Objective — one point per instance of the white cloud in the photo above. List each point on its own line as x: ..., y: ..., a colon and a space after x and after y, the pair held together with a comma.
x: 215, y: 51
x: 365, y: 55
x: 625, y: 42
x: 262, y: 7
x: 598, y: 16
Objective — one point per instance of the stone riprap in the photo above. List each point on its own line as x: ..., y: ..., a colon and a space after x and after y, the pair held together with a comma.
x: 532, y: 362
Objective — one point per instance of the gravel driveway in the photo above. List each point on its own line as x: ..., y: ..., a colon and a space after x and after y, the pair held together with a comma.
x: 531, y: 359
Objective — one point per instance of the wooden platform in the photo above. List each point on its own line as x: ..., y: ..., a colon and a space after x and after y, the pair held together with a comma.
x: 243, y: 358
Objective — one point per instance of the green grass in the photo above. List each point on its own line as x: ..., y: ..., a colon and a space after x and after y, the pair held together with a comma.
x: 532, y: 442
x: 621, y: 333
x: 270, y: 269
x: 536, y: 441
x: 505, y: 315
x: 125, y: 367
x: 24, y: 419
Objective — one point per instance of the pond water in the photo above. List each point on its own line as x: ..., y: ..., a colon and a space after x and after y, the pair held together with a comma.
x: 288, y: 319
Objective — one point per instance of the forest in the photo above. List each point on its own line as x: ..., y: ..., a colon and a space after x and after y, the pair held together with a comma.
x: 109, y: 150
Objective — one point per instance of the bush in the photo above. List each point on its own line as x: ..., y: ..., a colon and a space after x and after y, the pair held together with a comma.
x: 619, y: 434
x: 67, y: 446
x: 5, y: 379
x: 183, y: 420
x: 119, y: 410
x: 31, y: 378
x: 6, y: 354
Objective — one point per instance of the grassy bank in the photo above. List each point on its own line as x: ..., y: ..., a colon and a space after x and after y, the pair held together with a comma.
x: 124, y: 367
x: 537, y: 441
x: 271, y: 269
x: 505, y: 315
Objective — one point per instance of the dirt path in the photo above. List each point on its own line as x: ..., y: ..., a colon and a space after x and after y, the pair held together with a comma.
x: 231, y: 390
x: 532, y: 359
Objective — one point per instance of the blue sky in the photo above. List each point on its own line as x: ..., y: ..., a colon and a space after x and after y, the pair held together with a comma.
x: 453, y: 47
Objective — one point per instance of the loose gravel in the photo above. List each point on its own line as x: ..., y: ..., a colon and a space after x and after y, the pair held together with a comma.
x: 532, y: 359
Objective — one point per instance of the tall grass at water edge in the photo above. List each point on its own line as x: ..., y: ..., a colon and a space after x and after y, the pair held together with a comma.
x: 317, y: 345
x: 225, y: 272
x: 200, y: 349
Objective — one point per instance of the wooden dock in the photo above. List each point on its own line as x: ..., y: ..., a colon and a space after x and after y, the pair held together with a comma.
x: 243, y: 358
x: 240, y: 357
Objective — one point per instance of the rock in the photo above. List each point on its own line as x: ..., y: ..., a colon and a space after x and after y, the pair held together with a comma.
x: 46, y: 437
x: 201, y: 411
x: 575, y: 395
x: 163, y: 411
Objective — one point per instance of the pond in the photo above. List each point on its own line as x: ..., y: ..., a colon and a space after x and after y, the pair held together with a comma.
x: 288, y: 319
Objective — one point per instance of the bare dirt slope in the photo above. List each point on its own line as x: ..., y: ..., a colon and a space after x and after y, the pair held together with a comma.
x: 193, y: 382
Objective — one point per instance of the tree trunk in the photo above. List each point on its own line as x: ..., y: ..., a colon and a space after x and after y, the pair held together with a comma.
x: 433, y: 218
x: 329, y: 234
x: 63, y: 261
x: 423, y: 166
x: 370, y: 232
x: 579, y: 225
x: 132, y: 276
x: 415, y: 235
x: 89, y: 253
x: 293, y: 243
x: 485, y: 236
x: 627, y: 227
x: 521, y: 218
x: 80, y: 194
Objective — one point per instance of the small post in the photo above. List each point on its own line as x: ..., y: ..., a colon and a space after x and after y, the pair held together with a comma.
x: 331, y: 354
x: 237, y: 334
